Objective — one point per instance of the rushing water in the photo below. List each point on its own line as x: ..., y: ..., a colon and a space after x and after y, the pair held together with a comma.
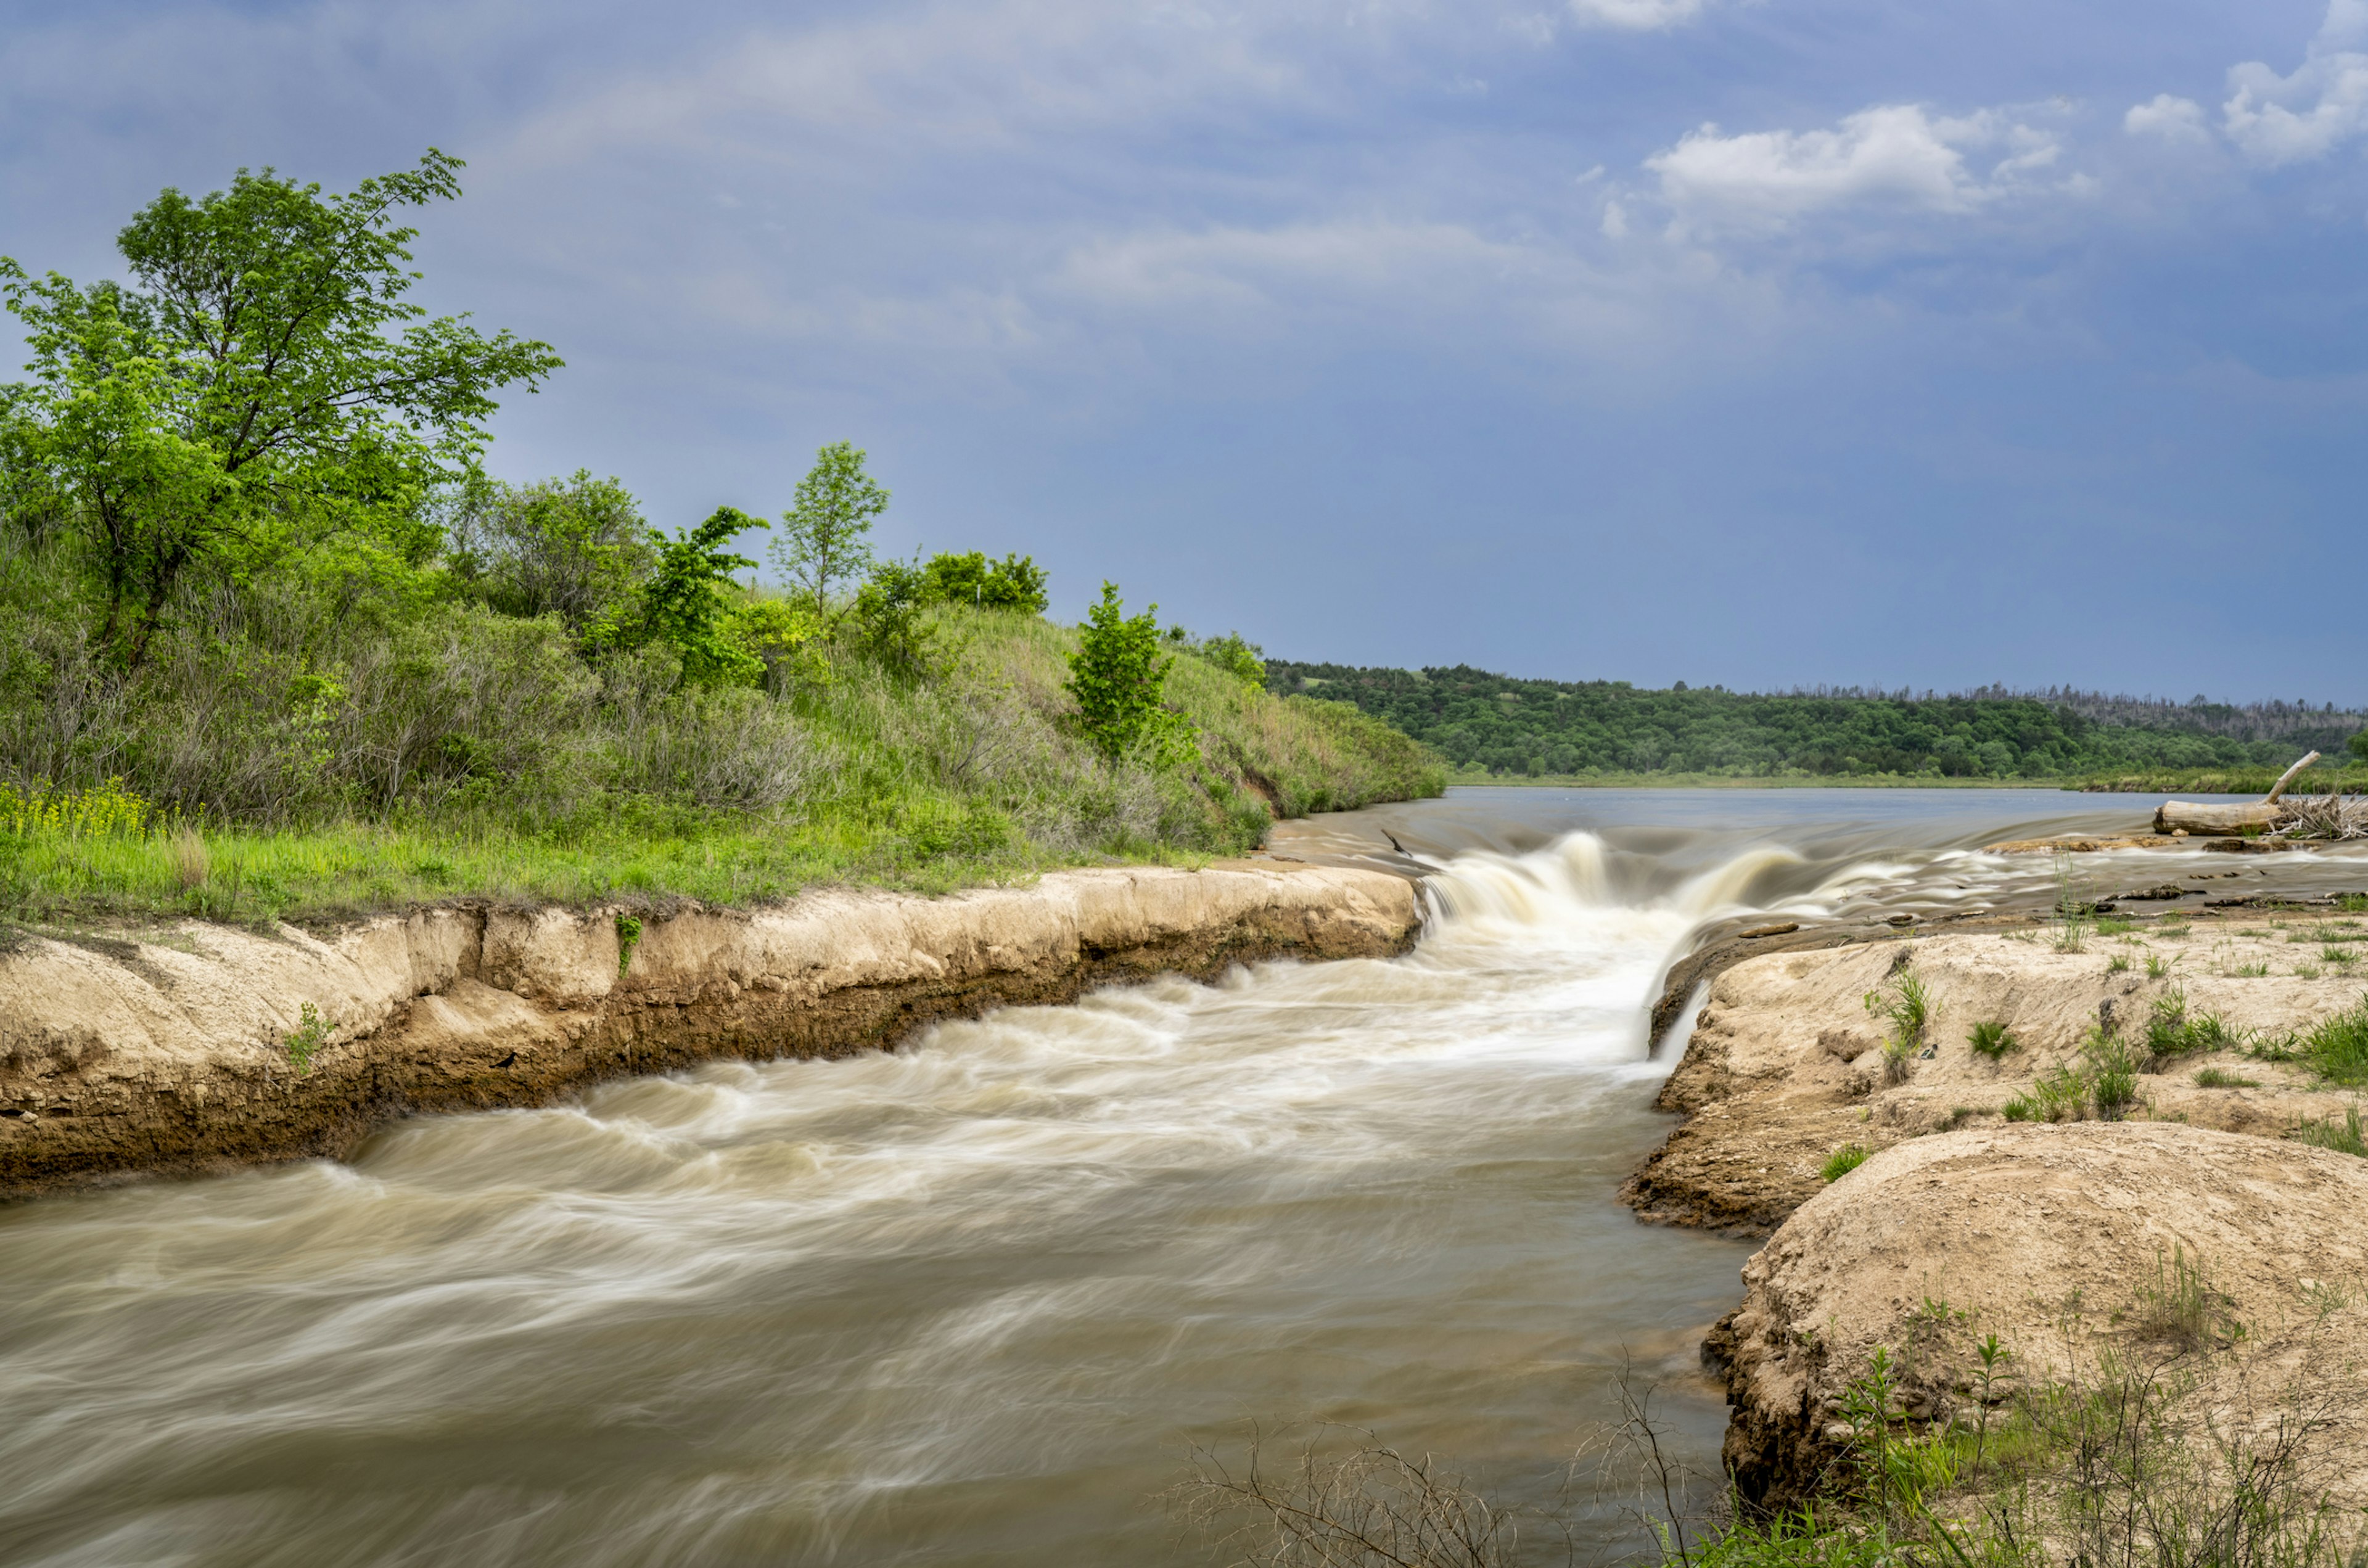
x: 970, y: 1302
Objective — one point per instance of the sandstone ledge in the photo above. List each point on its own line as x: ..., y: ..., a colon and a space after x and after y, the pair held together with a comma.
x: 169, y: 1052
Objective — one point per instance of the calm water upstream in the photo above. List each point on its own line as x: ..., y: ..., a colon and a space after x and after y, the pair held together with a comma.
x: 970, y: 1302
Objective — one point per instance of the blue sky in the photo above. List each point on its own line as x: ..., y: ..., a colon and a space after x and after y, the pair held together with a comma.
x: 1759, y: 342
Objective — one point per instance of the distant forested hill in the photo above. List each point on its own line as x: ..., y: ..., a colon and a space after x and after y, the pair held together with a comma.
x: 1540, y: 726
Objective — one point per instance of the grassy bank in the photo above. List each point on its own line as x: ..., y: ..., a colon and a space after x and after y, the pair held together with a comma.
x: 1480, y: 776
x: 846, y: 772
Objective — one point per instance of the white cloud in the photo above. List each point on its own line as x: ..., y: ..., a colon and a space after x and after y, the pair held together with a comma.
x: 1637, y: 16
x: 2173, y: 120
x: 2320, y: 105
x: 1889, y: 156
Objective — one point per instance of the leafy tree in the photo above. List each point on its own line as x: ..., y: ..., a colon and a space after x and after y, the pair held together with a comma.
x: 575, y: 548
x: 686, y: 605
x: 2359, y: 744
x: 1118, y: 675
x: 262, y: 383
x: 822, y: 536
x: 1016, y: 582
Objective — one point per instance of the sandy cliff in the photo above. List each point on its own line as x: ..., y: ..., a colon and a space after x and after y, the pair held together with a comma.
x: 187, y: 1049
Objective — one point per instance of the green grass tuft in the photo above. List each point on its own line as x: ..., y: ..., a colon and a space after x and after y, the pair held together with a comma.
x: 1843, y: 1161
x: 2337, y: 1050
x: 1991, y: 1039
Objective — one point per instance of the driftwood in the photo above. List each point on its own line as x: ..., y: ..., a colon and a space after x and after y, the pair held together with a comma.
x: 2264, y: 815
x: 2325, y: 817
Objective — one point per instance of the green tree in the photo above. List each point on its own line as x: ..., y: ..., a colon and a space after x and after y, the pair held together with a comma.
x: 261, y: 384
x: 575, y: 548
x: 687, y: 607
x: 822, y: 536
x: 1117, y: 676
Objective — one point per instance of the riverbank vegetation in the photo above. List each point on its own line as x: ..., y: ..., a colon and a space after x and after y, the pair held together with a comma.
x: 1610, y: 731
x: 2123, y: 1461
x: 273, y: 643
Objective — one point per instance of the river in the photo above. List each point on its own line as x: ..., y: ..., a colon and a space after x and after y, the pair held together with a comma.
x: 973, y: 1301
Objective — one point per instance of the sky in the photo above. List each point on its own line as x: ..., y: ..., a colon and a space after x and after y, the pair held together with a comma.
x: 1760, y: 343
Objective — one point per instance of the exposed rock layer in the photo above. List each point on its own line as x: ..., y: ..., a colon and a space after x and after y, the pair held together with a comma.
x: 173, y: 1051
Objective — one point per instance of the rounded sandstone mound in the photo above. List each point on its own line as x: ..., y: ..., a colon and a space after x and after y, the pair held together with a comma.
x: 2240, y: 1261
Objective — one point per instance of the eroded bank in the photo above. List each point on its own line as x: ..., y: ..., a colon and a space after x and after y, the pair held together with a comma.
x: 200, y: 1047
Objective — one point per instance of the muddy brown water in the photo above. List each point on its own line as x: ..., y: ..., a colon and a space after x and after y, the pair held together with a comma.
x: 970, y: 1302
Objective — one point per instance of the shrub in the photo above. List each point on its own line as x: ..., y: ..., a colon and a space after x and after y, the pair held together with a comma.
x: 1843, y: 1161
x: 1992, y: 1038
x: 687, y: 607
x: 575, y: 548
x: 1117, y: 676
x: 312, y: 1032
x: 1016, y: 582
x: 892, y: 626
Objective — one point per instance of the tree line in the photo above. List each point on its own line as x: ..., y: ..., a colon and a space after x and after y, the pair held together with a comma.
x: 1504, y: 726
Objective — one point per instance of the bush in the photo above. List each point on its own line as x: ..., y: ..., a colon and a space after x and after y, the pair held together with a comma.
x: 1117, y: 676
x: 1014, y: 583
x: 890, y: 626
x: 687, y: 605
x: 1843, y: 1161
x: 575, y: 548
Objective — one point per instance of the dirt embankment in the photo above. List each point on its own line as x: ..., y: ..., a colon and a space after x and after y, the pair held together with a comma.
x: 200, y: 1047
x: 2052, y: 1233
